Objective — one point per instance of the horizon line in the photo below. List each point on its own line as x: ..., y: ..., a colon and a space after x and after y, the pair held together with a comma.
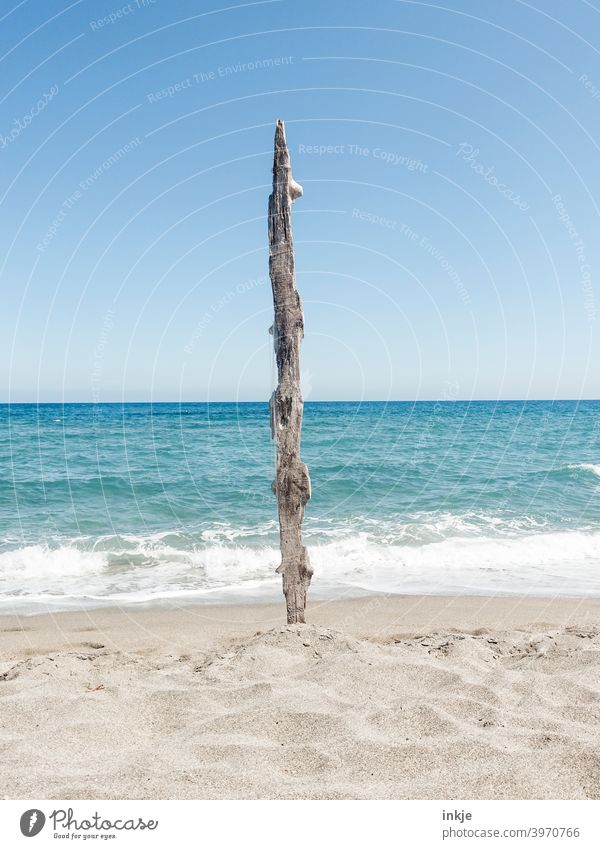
x: 320, y: 401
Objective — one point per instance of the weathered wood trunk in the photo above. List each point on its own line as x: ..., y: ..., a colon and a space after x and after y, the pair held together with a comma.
x: 292, y: 483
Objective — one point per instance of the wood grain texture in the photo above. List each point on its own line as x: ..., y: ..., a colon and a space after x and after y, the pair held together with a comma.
x: 292, y: 482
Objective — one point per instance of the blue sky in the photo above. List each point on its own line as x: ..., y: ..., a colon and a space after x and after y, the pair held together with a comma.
x: 446, y: 245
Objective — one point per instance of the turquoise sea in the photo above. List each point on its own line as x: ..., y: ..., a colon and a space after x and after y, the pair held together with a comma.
x: 121, y: 504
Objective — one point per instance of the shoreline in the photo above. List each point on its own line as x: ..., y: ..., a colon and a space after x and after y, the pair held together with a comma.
x: 364, y: 617
x: 403, y: 697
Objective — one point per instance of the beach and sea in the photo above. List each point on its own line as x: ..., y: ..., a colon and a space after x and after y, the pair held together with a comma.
x: 453, y: 641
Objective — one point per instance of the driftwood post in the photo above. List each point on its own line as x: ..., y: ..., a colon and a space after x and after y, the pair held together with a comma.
x: 292, y: 483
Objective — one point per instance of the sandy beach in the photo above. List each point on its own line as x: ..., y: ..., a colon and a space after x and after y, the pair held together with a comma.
x: 380, y: 697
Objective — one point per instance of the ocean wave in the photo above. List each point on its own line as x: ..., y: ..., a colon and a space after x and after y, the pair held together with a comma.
x: 145, y: 569
x: 594, y: 468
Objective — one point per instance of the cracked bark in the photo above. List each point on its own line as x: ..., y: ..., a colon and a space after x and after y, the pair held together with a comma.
x: 292, y: 482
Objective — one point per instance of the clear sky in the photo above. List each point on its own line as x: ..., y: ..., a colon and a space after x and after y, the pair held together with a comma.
x: 448, y: 240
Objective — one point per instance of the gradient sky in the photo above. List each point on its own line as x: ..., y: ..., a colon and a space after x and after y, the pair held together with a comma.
x: 448, y: 240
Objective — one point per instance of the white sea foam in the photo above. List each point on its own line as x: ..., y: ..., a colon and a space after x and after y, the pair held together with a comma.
x: 39, y: 563
x: 594, y: 468
x: 129, y: 569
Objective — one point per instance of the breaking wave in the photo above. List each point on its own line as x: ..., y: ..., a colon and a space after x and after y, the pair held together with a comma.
x: 439, y: 554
